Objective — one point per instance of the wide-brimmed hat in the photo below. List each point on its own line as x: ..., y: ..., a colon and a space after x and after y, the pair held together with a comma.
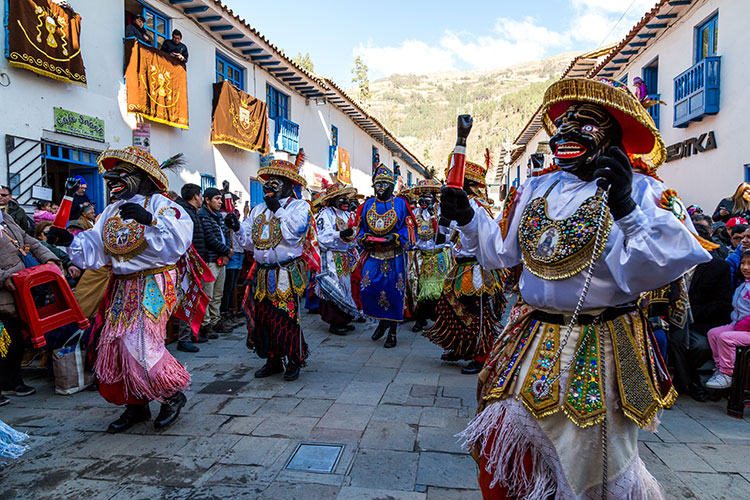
x: 640, y: 137
x: 383, y: 173
x: 137, y: 157
x: 283, y: 169
x: 332, y: 191
x: 427, y: 186
x: 472, y: 171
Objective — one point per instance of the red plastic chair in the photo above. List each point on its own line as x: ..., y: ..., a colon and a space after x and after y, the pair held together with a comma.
x: 63, y: 311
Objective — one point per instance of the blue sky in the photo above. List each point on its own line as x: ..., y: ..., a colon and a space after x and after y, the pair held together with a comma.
x: 416, y: 36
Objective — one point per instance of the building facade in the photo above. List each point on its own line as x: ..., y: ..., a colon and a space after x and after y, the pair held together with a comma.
x: 305, y: 111
x: 692, y: 56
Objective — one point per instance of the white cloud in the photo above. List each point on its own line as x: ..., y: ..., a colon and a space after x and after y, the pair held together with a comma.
x: 413, y: 56
x: 605, y: 21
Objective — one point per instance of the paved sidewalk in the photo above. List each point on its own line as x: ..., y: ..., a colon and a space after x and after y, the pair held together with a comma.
x: 396, y: 412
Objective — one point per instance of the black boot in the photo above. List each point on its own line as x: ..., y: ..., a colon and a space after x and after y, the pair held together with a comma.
x: 170, y: 410
x: 380, y: 330
x: 450, y: 356
x: 338, y: 330
x: 419, y: 325
x: 292, y: 371
x: 131, y: 416
x: 472, y: 368
x: 271, y: 367
x: 390, y: 341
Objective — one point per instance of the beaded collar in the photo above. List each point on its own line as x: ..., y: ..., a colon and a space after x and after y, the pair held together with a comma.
x: 558, y: 249
x: 266, y: 233
x: 124, y: 241
x: 382, y: 224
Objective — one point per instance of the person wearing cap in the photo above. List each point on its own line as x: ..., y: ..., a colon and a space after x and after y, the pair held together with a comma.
x: 136, y: 30
x: 433, y: 254
x: 142, y: 235
x: 576, y: 371
x: 80, y: 199
x: 384, y: 236
x: 281, y: 234
x: 338, y: 255
x: 472, y: 302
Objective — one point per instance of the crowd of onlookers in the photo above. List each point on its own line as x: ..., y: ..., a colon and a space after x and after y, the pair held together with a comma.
x: 23, y: 243
x: 712, y: 300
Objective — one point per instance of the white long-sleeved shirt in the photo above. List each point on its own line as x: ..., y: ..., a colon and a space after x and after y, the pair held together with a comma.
x: 645, y: 250
x: 168, y: 239
x: 294, y: 218
x: 328, y: 232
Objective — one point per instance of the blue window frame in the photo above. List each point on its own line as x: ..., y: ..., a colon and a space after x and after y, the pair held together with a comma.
x: 651, y: 80
x: 207, y: 181
x: 747, y: 172
x: 624, y: 79
x: 157, y: 25
x: 375, y: 158
x: 229, y: 71
x: 334, y: 135
x: 408, y: 179
x: 517, y: 182
x: 707, y: 38
x: 256, y: 192
x: 277, y: 103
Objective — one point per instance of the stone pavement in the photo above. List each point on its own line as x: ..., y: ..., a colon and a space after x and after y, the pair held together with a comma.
x: 395, y: 411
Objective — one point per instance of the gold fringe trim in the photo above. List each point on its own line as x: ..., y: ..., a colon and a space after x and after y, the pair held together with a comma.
x: 48, y: 74
x: 595, y: 92
x: 229, y: 142
x: 164, y: 121
x: 4, y: 341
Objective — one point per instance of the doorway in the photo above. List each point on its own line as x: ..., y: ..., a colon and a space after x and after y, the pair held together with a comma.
x: 64, y: 162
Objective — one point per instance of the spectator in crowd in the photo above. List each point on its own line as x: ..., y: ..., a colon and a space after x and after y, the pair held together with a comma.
x: 88, y: 217
x: 734, y: 259
x: 79, y: 199
x: 10, y: 207
x: 40, y: 232
x: 724, y: 339
x: 43, y: 211
x: 175, y: 47
x: 694, y: 209
x: 234, y: 268
x: 710, y: 294
x: 735, y: 235
x: 191, y: 200
x: 218, y: 251
x: 738, y: 205
x: 12, y: 240
x: 721, y: 234
x: 136, y: 30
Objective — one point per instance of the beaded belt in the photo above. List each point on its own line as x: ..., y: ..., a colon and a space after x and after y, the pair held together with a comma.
x: 608, y: 314
x: 386, y: 254
x: 275, y: 265
x: 147, y: 272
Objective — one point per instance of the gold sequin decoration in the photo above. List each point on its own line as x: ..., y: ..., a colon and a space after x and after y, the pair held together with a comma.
x: 541, y: 370
x: 266, y: 234
x: 584, y: 403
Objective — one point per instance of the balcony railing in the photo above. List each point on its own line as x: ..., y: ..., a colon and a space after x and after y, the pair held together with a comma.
x: 654, y: 110
x: 286, y: 137
x: 696, y: 91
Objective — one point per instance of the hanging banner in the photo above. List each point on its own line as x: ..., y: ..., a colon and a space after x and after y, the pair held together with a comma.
x: 239, y: 119
x: 156, y: 85
x: 345, y: 169
x: 44, y: 37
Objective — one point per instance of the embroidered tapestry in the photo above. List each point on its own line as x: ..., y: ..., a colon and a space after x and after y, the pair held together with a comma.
x: 239, y: 119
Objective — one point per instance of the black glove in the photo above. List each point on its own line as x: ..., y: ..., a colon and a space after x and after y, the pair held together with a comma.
x: 59, y: 237
x: 71, y: 186
x: 273, y: 203
x: 439, y: 239
x: 346, y: 233
x: 444, y: 221
x: 616, y: 173
x: 232, y: 222
x: 136, y: 212
x: 454, y: 205
x: 366, y: 243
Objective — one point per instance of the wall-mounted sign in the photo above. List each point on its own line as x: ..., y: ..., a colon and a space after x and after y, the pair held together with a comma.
x: 694, y: 145
x: 142, y: 136
x: 68, y: 122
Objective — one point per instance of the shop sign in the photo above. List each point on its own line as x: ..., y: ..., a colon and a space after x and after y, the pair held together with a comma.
x: 142, y: 136
x: 694, y: 145
x: 89, y: 127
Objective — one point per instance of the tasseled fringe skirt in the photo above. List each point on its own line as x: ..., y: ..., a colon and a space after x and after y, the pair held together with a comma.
x: 277, y: 331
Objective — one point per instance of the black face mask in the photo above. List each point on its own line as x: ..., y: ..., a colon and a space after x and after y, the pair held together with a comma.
x: 427, y: 201
x: 342, y: 203
x: 278, y: 186
x: 125, y: 181
x: 584, y: 132
x: 383, y: 190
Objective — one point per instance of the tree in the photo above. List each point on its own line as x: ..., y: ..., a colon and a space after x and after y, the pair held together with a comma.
x: 360, y: 78
x: 304, y: 61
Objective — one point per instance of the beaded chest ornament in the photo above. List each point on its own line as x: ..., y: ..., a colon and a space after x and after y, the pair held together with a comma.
x: 124, y: 241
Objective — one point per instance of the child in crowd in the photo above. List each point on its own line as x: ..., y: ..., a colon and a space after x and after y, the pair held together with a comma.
x: 723, y: 339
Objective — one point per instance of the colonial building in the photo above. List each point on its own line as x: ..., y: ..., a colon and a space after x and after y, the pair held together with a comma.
x: 691, y: 55
x: 54, y: 129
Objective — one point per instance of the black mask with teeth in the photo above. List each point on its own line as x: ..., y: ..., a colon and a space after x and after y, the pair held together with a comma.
x: 584, y: 132
x: 126, y: 180
x: 383, y: 190
x: 342, y: 203
x: 427, y: 201
x: 278, y: 186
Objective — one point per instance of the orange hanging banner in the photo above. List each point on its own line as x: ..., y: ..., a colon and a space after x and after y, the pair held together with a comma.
x: 156, y: 85
x: 345, y: 168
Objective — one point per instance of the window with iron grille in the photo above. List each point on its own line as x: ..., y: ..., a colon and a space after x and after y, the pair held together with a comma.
x: 277, y: 103
x: 207, y: 181
x: 229, y: 71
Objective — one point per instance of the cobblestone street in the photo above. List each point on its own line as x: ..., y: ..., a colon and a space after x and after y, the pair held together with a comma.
x: 394, y: 411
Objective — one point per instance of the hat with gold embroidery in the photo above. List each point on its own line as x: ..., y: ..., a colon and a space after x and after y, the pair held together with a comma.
x: 139, y: 158
x: 282, y: 168
x: 332, y: 191
x: 383, y: 173
x: 427, y: 186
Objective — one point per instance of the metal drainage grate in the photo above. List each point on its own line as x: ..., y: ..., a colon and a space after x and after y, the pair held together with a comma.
x: 315, y: 457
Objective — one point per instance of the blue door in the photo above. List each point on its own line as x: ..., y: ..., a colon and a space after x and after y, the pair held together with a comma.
x: 94, y: 185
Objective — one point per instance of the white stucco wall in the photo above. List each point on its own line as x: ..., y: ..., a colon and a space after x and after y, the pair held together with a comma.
x: 29, y: 99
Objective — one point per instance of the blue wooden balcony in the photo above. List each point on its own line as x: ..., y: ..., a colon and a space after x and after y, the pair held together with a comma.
x: 654, y: 110
x: 696, y: 92
x: 286, y: 136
